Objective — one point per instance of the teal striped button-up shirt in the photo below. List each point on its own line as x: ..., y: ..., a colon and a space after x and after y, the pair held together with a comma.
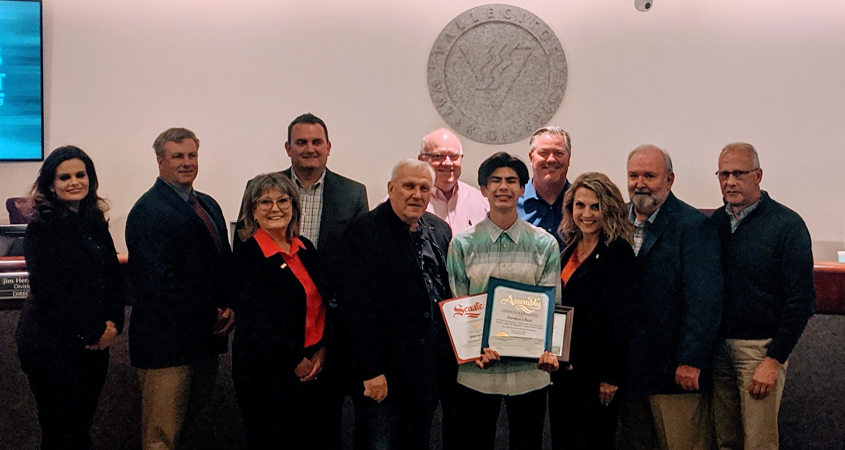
x: 522, y: 253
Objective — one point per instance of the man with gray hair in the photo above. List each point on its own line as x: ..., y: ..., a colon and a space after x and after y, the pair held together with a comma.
x: 541, y: 204
x: 394, y: 277
x: 680, y: 276
x: 769, y: 297
x: 452, y: 200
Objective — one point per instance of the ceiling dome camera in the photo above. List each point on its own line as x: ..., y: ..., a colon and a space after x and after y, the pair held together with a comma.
x: 643, y: 5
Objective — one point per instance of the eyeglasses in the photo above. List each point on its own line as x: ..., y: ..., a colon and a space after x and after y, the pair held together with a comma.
x: 266, y: 204
x: 440, y: 157
x: 737, y: 174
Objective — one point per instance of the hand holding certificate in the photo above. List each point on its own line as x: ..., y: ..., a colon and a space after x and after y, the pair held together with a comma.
x: 511, y: 319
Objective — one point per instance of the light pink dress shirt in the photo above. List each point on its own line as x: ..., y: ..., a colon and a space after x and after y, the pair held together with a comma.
x: 466, y: 208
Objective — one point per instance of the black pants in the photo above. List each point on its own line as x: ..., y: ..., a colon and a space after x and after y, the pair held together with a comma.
x: 391, y: 424
x: 578, y: 419
x: 66, y: 385
x: 478, y: 414
x: 286, y: 413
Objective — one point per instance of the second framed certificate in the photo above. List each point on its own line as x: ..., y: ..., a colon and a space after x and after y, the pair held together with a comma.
x: 562, y: 331
x: 464, y: 318
x: 519, y: 318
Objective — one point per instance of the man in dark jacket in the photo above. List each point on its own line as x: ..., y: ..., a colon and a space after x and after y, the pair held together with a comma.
x: 769, y: 297
x: 178, y: 258
x: 395, y: 273
x: 329, y: 202
x: 679, y: 268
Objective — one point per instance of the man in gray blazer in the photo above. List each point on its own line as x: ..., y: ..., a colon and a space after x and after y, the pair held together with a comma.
x: 329, y: 202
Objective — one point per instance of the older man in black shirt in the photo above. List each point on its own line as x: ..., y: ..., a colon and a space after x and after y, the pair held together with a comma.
x: 769, y: 297
x: 395, y: 273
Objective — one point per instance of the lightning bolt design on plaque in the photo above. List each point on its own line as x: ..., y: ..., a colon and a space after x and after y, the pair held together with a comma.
x: 498, y: 70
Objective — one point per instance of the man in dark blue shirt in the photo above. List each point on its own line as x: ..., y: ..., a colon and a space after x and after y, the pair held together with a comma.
x: 541, y: 203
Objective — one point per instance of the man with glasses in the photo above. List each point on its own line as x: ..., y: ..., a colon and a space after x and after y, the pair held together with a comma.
x: 550, y: 150
x: 680, y: 279
x: 769, y: 297
x: 454, y: 201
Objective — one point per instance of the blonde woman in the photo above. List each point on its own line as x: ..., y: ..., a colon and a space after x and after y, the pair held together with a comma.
x: 598, y: 281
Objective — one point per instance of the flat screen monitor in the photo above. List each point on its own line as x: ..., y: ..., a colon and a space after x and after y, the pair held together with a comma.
x: 21, y: 95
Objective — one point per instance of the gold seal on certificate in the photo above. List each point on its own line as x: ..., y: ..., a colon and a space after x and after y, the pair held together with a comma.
x: 519, y: 319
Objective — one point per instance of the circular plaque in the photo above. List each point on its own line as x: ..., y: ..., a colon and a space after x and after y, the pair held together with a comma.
x: 496, y: 73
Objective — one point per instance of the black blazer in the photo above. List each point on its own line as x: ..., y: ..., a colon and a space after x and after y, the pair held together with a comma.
x: 270, y: 308
x: 603, y: 290
x: 179, y: 279
x: 387, y: 312
x: 75, y: 282
x: 680, y: 271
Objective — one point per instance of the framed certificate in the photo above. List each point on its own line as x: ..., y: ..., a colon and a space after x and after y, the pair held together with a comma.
x: 464, y: 318
x: 519, y: 318
x: 562, y: 331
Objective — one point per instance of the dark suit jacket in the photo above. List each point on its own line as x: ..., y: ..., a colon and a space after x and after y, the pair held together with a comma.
x: 389, y: 316
x: 75, y: 282
x: 179, y: 279
x: 603, y: 290
x: 343, y: 200
x: 270, y: 307
x: 680, y: 273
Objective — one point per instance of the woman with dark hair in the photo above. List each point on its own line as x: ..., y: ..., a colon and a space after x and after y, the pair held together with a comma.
x: 599, y: 281
x: 76, y: 302
x: 280, y: 343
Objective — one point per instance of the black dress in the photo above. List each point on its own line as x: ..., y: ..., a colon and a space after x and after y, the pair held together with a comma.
x: 75, y: 287
x: 603, y: 290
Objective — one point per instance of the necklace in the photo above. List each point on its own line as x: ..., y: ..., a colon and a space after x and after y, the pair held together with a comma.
x: 584, y: 249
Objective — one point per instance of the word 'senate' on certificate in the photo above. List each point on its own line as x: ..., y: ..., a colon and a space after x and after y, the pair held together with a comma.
x: 464, y: 318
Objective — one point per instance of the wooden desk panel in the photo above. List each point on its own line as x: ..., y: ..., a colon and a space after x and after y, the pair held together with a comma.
x: 830, y: 287
x: 829, y: 276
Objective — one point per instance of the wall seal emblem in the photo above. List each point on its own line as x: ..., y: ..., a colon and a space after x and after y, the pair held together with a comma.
x: 496, y: 73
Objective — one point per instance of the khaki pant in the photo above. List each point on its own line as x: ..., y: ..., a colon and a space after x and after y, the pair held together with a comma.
x: 171, y: 398
x: 666, y: 422
x: 743, y: 422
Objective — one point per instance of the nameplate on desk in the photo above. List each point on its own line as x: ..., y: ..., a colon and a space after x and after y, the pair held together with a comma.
x: 14, y: 285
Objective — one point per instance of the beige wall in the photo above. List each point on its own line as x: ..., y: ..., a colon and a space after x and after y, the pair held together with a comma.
x: 689, y: 76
